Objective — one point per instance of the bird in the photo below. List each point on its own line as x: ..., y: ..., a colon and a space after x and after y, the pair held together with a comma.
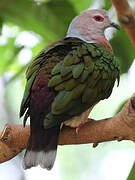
x: 65, y: 81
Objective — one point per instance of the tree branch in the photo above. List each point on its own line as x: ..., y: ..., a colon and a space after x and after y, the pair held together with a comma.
x: 126, y: 18
x: 14, y: 138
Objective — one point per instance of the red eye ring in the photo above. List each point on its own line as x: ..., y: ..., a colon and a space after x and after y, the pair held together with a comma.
x: 98, y: 18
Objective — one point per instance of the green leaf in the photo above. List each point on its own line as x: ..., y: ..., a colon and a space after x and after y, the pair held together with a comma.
x: 8, y: 55
x: 81, y: 5
x: 1, y: 24
x: 49, y: 19
x: 107, y: 5
x: 132, y: 173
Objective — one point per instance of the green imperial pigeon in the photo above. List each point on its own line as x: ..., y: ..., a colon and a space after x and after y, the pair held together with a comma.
x: 65, y: 81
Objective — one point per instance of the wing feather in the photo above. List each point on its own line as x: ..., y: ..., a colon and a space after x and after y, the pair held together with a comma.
x: 89, y: 68
x: 81, y: 75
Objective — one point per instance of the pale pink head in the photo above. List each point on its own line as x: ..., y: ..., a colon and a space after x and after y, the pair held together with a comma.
x: 90, y: 26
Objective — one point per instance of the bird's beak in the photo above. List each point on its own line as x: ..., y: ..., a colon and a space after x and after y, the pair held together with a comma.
x: 115, y: 25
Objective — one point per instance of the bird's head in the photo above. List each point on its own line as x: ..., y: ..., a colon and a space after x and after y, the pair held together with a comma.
x: 90, y: 25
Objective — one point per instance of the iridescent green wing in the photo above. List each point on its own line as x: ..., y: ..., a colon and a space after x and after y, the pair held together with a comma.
x: 106, y: 70
x: 32, y: 72
x: 86, y: 75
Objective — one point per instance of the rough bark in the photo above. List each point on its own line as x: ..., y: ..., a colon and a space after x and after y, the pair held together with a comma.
x: 14, y: 138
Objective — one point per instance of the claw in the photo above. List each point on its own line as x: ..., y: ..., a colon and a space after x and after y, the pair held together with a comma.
x: 79, y: 127
x: 61, y: 126
x: 82, y: 124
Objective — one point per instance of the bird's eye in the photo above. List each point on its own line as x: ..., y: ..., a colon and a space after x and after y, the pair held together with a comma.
x: 98, y: 18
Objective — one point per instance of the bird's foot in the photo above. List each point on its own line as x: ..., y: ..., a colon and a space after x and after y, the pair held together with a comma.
x: 82, y: 124
x: 79, y: 127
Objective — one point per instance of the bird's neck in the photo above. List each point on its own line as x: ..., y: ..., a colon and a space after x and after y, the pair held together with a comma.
x: 102, y: 40
x: 91, y: 38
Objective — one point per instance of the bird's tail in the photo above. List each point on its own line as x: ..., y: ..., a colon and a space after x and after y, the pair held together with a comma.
x: 42, y: 148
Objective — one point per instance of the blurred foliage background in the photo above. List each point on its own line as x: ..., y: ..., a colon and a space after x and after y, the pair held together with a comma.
x: 27, y: 26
